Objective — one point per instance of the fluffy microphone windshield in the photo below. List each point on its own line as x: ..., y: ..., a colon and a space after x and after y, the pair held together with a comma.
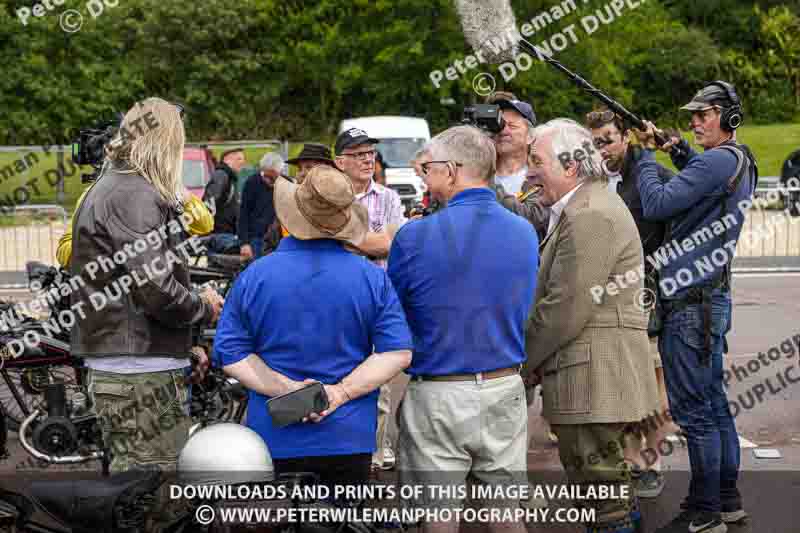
x: 490, y: 28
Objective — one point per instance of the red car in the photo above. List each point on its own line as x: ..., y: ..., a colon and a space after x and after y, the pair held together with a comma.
x: 198, y: 164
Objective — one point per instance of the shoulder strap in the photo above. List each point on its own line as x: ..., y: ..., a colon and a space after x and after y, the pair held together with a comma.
x: 744, y: 164
x: 741, y: 161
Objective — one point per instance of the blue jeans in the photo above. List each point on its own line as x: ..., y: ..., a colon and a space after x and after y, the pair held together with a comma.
x: 699, y: 404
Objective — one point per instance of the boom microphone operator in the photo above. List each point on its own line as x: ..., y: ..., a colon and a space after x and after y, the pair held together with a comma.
x: 484, y: 20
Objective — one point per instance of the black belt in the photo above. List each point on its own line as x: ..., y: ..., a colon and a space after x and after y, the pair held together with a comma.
x: 693, y: 295
x: 691, y: 298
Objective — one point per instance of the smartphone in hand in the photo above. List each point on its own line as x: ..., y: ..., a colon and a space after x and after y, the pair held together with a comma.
x: 294, y: 406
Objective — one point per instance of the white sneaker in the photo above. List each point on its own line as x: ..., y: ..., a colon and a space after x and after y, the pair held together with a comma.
x: 388, y: 459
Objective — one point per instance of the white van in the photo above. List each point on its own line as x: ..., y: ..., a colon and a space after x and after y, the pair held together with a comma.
x: 400, y: 138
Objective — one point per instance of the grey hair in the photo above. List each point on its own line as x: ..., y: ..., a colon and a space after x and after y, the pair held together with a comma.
x: 569, y: 137
x: 531, y: 131
x: 466, y: 145
x: 419, y: 154
x: 271, y: 160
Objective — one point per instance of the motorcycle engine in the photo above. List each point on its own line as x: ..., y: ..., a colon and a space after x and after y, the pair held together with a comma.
x: 68, y: 426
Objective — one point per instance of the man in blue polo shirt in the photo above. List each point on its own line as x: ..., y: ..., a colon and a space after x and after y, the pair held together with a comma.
x: 311, y: 310
x: 466, y: 277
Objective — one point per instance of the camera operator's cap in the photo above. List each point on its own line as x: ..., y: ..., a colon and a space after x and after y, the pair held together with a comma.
x: 352, y: 137
x: 313, y: 152
x: 324, y: 206
x: 523, y: 108
x: 705, y: 98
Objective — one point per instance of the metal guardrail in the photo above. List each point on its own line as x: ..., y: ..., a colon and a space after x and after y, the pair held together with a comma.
x: 63, y: 148
x: 767, y: 234
x: 44, y: 207
x: 269, y: 143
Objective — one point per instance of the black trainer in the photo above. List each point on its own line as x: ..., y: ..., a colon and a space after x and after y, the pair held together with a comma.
x: 733, y: 514
x: 695, y: 522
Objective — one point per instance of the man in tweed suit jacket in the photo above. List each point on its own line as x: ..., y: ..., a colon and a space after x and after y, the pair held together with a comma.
x: 587, y: 340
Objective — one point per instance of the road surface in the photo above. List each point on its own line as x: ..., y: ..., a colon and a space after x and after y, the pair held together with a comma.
x: 766, y: 314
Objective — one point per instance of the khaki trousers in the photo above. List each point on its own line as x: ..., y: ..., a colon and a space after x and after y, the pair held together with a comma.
x: 592, y: 454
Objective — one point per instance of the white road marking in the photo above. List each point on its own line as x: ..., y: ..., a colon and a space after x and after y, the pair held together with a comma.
x: 744, y: 443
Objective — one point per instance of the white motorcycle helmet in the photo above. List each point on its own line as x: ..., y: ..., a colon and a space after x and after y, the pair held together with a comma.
x: 225, y: 454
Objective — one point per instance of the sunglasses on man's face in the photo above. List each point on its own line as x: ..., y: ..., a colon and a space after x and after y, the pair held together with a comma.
x: 602, y: 117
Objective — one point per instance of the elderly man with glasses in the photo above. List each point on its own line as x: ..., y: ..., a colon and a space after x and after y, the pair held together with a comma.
x: 464, y: 410
x: 355, y: 156
x: 588, y: 349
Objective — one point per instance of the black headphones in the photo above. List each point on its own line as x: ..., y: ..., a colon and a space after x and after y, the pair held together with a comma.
x: 732, y: 116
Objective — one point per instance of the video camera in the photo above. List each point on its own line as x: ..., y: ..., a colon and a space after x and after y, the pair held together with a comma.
x: 91, y: 144
x: 422, y: 209
x: 487, y: 117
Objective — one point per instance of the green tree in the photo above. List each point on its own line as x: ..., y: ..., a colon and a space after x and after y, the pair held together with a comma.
x: 780, y: 29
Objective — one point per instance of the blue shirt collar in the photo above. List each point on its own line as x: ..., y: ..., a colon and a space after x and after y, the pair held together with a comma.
x: 289, y: 243
x: 472, y: 196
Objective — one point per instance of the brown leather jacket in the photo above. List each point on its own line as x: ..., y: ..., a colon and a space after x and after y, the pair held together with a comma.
x: 120, y: 215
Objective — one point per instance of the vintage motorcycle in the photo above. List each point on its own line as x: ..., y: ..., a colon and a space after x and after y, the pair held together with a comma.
x: 45, y: 397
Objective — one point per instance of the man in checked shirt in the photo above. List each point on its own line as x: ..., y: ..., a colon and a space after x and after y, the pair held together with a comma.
x: 355, y: 156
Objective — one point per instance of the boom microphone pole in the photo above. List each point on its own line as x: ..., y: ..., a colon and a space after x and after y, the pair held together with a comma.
x: 483, y: 20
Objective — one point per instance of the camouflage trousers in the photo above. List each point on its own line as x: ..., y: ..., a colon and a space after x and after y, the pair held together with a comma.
x: 144, y: 420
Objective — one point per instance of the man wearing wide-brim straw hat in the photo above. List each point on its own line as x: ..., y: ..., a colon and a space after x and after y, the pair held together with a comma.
x: 322, y: 207
x: 276, y: 232
x: 313, y: 311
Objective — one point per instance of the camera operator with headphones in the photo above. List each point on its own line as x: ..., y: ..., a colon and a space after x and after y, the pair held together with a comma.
x: 701, y: 205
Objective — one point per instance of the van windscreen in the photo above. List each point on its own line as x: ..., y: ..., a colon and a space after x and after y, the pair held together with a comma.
x: 399, y: 152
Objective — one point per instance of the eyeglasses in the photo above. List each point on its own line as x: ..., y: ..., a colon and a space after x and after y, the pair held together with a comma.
x: 601, y: 116
x: 361, y: 156
x: 425, y: 166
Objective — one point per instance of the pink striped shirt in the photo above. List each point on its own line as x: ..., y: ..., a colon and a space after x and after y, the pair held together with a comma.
x: 384, y: 207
